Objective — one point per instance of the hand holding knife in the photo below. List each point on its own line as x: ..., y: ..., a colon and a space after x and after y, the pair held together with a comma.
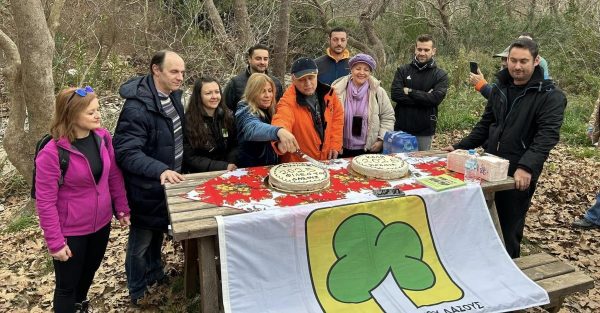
x: 310, y: 159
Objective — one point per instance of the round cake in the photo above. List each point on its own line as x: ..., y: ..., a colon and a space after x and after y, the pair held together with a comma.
x: 380, y: 166
x: 298, y: 177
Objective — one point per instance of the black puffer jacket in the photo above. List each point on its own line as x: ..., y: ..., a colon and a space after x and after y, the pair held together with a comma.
x: 416, y: 113
x: 218, y: 151
x: 144, y: 148
x: 235, y: 89
x: 525, y: 134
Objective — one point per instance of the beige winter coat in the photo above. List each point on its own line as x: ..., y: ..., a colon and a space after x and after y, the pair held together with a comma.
x: 381, y: 113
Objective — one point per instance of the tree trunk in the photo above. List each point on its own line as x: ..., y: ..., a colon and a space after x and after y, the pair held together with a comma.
x: 531, y: 12
x: 30, y: 83
x: 280, y: 41
x: 219, y: 28
x: 242, y: 24
x: 445, y: 18
x: 377, y: 49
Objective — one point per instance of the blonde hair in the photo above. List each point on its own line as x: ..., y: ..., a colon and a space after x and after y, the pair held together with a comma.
x: 68, y: 107
x: 254, y: 88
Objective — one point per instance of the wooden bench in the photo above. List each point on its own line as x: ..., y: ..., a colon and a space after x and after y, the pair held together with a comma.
x: 556, y: 277
x: 194, y: 224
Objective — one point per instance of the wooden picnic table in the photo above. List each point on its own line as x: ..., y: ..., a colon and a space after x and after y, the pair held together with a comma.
x: 193, y: 223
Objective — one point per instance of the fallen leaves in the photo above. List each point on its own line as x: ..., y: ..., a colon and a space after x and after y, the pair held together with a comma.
x: 566, y: 189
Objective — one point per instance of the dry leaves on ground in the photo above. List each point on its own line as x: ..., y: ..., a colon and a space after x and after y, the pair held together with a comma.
x: 566, y: 189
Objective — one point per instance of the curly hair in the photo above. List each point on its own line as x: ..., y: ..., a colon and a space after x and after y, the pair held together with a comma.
x: 197, y: 132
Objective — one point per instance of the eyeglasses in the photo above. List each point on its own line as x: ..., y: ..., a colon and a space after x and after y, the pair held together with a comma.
x: 82, y: 92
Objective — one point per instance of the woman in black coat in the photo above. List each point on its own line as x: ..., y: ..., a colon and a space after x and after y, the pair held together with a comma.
x: 210, y: 139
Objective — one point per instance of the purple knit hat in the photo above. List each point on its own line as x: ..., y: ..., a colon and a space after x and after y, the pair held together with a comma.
x: 363, y: 58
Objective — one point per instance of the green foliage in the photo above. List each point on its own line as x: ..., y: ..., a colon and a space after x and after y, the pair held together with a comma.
x: 586, y: 152
x: 577, y: 113
x: 12, y: 185
x: 20, y: 223
x: 461, y: 109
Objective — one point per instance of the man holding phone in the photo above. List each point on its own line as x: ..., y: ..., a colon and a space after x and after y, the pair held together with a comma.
x: 418, y: 89
x: 521, y: 123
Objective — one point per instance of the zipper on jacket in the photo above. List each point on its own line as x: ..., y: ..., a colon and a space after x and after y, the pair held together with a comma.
x: 77, y: 152
x: 511, y: 109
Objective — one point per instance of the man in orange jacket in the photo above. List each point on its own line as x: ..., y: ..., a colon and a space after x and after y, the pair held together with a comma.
x: 312, y: 112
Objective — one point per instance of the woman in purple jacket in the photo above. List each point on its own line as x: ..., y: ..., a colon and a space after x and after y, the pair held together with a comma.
x: 75, y: 214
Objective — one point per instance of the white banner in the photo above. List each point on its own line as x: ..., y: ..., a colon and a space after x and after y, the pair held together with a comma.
x: 426, y: 252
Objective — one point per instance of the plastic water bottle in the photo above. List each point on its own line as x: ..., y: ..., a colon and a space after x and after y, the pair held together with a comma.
x: 471, y: 175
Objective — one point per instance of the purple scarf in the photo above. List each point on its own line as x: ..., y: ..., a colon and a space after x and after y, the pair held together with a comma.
x: 357, y: 104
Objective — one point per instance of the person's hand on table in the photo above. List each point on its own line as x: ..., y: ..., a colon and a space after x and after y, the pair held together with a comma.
x: 63, y: 254
x: 522, y: 179
x: 288, y: 140
x: 231, y: 167
x: 377, y: 146
x: 333, y: 154
x: 448, y: 148
x: 171, y: 177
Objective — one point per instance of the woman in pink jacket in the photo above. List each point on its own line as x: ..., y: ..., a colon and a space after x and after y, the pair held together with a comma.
x: 75, y: 212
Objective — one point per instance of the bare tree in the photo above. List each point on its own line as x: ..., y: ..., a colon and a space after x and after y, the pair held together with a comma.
x: 28, y: 76
x: 226, y: 42
x: 372, y: 10
x: 241, y: 23
x: 280, y: 42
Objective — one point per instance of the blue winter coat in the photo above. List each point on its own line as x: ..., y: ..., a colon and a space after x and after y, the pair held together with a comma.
x: 144, y: 148
x: 254, y: 138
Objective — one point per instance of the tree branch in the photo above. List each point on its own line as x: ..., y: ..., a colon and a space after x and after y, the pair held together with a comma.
x: 219, y: 29
x: 54, y: 18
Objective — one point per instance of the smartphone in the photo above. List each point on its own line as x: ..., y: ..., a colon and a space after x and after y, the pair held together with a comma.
x: 473, y: 66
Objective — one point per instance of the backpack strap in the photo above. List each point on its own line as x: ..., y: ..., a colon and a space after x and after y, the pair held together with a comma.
x: 63, y: 162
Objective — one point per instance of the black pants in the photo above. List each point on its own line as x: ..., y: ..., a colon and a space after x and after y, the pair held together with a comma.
x: 74, y: 277
x: 512, y: 206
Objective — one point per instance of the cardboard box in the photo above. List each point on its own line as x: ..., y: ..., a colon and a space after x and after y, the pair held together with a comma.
x: 489, y: 166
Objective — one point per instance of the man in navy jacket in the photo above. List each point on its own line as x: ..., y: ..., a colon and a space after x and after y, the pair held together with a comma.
x: 148, y: 146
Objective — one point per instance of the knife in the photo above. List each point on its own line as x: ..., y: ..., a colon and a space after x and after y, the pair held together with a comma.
x: 310, y: 159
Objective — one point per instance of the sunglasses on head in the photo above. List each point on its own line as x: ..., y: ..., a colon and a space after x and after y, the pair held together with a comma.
x: 82, y: 92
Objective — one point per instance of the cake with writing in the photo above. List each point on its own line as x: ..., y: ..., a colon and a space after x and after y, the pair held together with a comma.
x: 298, y: 177
x: 379, y: 166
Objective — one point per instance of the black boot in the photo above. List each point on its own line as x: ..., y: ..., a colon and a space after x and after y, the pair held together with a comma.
x: 83, y: 307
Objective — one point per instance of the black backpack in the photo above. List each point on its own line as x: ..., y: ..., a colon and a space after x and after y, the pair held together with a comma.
x: 63, y: 161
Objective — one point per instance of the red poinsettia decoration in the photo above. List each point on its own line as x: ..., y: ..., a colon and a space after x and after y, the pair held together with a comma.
x: 232, y: 189
x: 344, y: 181
x: 433, y: 168
x: 298, y: 199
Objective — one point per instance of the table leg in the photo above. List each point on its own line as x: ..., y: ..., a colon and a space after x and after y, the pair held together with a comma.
x: 209, y: 282
x: 190, y: 267
x: 489, y: 200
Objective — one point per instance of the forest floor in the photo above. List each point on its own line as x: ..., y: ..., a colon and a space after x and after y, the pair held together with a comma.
x: 566, y: 189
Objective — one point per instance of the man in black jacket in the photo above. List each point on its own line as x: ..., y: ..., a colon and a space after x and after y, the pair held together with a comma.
x: 258, y: 62
x: 521, y: 123
x: 418, y: 89
x: 148, y: 146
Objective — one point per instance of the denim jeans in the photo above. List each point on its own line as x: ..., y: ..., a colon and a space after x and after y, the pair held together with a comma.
x: 143, y: 264
x: 593, y: 213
